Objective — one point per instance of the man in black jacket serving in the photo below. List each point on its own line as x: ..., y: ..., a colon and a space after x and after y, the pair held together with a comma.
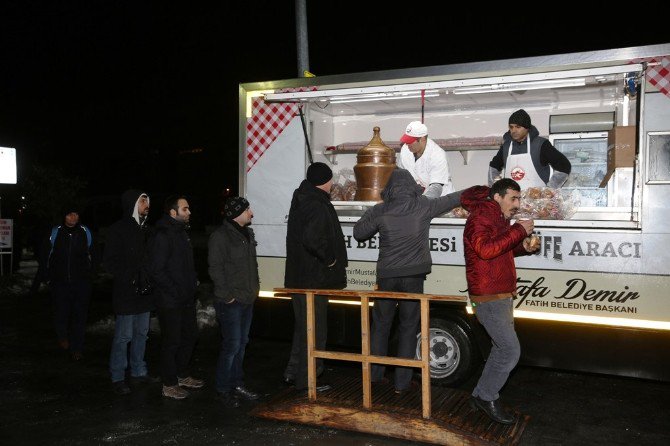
x: 527, y: 158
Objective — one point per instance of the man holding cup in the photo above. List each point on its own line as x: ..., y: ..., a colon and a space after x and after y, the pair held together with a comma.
x: 490, y: 245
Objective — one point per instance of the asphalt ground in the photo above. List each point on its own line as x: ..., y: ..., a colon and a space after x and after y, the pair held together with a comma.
x: 46, y: 398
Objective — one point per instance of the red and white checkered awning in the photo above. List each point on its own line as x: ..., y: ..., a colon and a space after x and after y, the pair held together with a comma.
x: 267, y: 122
x: 658, y: 72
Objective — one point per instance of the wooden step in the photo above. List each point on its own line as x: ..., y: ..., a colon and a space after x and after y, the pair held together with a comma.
x: 453, y: 421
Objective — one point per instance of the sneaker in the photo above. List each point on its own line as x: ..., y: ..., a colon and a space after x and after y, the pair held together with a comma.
x: 144, y: 379
x: 77, y: 356
x: 121, y: 388
x: 190, y: 382
x: 175, y: 392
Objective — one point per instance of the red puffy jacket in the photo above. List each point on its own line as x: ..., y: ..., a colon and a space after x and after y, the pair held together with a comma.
x: 490, y: 244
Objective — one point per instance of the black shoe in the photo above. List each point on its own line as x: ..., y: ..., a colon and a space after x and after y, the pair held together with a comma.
x: 413, y: 385
x: 228, y: 399
x: 492, y: 409
x: 121, y: 388
x: 245, y: 393
x: 288, y: 381
x: 144, y: 379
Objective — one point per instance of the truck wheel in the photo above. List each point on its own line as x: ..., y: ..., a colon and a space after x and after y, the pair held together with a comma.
x: 452, y: 352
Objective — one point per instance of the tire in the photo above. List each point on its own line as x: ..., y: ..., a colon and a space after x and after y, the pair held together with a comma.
x: 452, y: 352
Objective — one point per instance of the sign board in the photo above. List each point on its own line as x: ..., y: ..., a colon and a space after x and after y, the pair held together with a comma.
x: 7, y: 165
x: 6, y: 229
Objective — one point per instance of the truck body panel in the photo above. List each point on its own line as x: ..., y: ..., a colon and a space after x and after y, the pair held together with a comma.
x: 603, y: 272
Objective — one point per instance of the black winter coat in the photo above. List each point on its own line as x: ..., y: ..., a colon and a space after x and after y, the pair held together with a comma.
x: 314, y: 240
x: 125, y: 258
x: 171, y: 265
x: 70, y: 259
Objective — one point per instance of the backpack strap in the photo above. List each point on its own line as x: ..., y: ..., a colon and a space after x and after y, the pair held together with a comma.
x: 54, y: 233
x: 52, y: 239
x: 89, y: 238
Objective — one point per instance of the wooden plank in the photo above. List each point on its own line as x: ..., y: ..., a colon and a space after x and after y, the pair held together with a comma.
x: 358, y: 357
x: 337, y: 404
x: 373, y: 422
x: 365, y: 352
x: 311, y: 359
x: 425, y: 365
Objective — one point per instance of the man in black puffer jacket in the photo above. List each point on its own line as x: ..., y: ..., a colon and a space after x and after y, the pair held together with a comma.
x: 125, y: 258
x: 316, y: 257
x: 68, y: 258
x: 403, y: 224
x: 172, y: 269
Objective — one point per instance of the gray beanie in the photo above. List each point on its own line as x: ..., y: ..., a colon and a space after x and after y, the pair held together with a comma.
x: 234, y: 207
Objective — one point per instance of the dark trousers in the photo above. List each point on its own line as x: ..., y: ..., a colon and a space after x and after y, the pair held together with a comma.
x: 383, y: 314
x: 300, y: 333
x: 179, y: 332
x: 70, y: 305
x: 234, y: 321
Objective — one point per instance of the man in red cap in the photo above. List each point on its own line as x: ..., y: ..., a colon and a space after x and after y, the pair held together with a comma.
x: 425, y: 160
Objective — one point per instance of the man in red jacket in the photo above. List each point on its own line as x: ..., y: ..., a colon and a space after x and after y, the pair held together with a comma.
x: 491, y: 244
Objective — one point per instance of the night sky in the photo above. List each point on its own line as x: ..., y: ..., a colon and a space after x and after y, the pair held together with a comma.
x: 119, y: 93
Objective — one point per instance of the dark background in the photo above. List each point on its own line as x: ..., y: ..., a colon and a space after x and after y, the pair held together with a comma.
x: 144, y: 94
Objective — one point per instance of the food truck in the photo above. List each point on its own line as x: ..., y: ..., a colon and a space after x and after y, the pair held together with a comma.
x: 595, y: 297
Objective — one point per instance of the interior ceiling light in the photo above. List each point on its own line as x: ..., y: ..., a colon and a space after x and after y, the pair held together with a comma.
x: 382, y: 96
x: 531, y: 85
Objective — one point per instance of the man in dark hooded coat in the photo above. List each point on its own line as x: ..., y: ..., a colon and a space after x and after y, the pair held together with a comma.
x: 403, y: 223
x: 125, y: 258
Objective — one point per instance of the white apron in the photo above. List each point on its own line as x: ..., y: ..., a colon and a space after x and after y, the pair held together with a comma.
x: 520, y: 168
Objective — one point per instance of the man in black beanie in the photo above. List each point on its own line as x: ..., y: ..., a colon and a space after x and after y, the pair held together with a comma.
x: 527, y: 158
x: 316, y: 257
x: 234, y: 271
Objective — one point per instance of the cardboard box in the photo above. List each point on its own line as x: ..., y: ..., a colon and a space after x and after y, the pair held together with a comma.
x: 621, y: 144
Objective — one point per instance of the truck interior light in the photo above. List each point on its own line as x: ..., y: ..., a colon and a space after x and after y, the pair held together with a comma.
x: 382, y: 97
x: 518, y: 86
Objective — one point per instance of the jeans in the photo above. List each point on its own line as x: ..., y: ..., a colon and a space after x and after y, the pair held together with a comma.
x: 383, y: 314
x: 179, y: 332
x: 129, y: 329
x: 498, y: 319
x: 234, y: 321
x: 70, y: 304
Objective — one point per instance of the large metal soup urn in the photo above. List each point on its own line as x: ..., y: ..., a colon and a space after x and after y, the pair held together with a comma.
x: 374, y: 165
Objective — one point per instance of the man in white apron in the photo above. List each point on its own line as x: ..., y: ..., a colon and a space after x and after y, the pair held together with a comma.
x: 527, y: 158
x: 425, y: 160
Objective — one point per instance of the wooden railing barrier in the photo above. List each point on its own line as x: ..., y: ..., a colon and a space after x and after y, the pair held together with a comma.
x: 365, y: 358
